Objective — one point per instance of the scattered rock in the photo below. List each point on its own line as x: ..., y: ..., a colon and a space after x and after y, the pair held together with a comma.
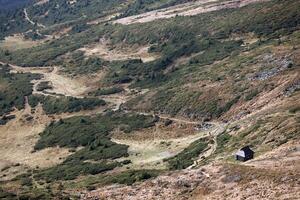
x: 276, y: 65
x: 291, y: 89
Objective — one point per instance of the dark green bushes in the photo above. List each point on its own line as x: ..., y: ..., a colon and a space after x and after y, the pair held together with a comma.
x: 84, y: 131
x: 15, y: 87
x: 7, y: 195
x: 77, y: 63
x: 12, y: 21
x: 251, y: 95
x: 70, y: 170
x: 108, y: 91
x: 43, y: 86
x: 222, y: 140
x: 294, y: 109
x: 132, y: 176
x: 92, y: 134
x: 185, y: 158
x: 60, y: 11
x: 56, y: 105
x: 216, y: 51
x: 140, y: 6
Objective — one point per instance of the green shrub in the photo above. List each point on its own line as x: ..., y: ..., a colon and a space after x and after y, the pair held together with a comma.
x: 43, y: 86
x: 222, y: 140
x: 251, y: 95
x: 132, y: 176
x: 185, y: 158
x: 294, y: 109
x: 7, y: 195
x: 91, y: 133
x: 108, y: 91
x: 56, y: 105
x: 15, y: 88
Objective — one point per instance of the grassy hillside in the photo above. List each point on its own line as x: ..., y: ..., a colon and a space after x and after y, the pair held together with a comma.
x: 14, y: 88
x: 12, y: 4
x: 60, y: 11
x: 93, y: 135
x: 215, y: 82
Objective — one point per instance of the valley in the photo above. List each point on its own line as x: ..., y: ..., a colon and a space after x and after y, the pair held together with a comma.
x: 150, y: 100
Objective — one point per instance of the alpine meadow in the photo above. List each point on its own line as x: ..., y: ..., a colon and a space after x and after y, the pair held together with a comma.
x: 150, y: 99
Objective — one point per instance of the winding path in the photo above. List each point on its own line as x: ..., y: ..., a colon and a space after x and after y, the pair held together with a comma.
x: 30, y: 20
x: 62, y: 85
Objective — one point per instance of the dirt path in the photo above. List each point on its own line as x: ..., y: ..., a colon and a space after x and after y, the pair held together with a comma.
x: 164, y: 116
x: 150, y: 153
x: 18, y: 136
x: 62, y: 85
x: 144, y: 154
x: 30, y: 21
x: 187, y: 9
x: 212, y: 147
x: 106, y: 51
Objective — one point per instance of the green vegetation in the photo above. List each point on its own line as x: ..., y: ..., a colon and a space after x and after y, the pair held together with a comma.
x: 295, y: 109
x: 7, y: 195
x: 251, y: 95
x: 125, y: 177
x: 107, y: 91
x: 92, y: 134
x: 140, y: 6
x: 77, y: 63
x: 43, y: 86
x: 222, y: 140
x: 13, y: 21
x: 56, y: 105
x: 131, y: 176
x: 61, y: 11
x: 80, y: 131
x: 34, y: 35
x: 185, y: 158
x: 70, y: 170
x: 6, y: 119
x: 204, y: 71
x: 13, y: 89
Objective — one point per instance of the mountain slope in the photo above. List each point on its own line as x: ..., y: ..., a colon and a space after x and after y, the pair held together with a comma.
x: 12, y: 4
x: 99, y: 96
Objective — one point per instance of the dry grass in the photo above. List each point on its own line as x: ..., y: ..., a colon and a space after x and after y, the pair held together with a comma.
x: 16, y: 42
x: 18, y: 138
x: 187, y: 9
x: 147, y: 149
x: 104, y: 50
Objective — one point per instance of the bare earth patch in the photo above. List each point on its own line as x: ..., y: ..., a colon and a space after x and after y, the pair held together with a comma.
x: 16, y: 42
x: 41, y: 2
x: 214, y: 181
x: 286, y: 156
x: 61, y: 84
x: 160, y: 143
x: 18, y: 138
x: 103, y: 19
x: 187, y: 9
x: 106, y: 51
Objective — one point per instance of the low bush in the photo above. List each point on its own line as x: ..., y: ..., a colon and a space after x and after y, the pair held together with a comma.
x: 185, y: 158
x: 108, y: 91
x: 93, y: 134
x: 56, y: 105
x: 43, y: 86
x: 14, y: 89
x: 222, y: 140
